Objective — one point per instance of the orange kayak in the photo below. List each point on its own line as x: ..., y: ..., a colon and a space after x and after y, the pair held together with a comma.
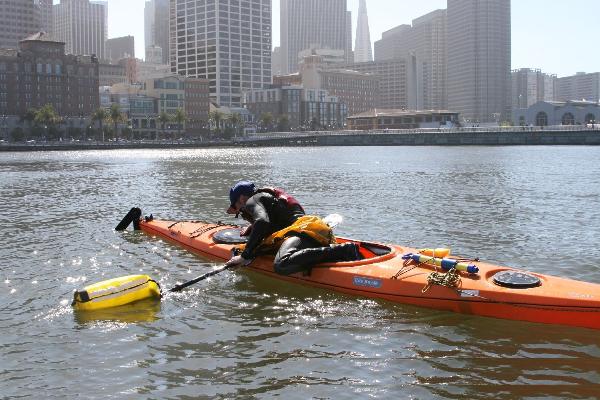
x: 400, y: 274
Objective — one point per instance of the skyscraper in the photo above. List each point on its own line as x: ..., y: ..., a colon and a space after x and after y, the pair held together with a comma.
x: 121, y: 47
x: 18, y: 20
x: 530, y: 86
x: 312, y: 24
x: 82, y: 25
x: 46, y: 19
x: 362, y: 48
x: 423, y: 46
x: 227, y: 42
x: 581, y: 86
x: 156, y: 27
x: 479, y: 57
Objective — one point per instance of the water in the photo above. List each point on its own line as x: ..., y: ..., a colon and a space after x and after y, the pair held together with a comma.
x: 242, y: 335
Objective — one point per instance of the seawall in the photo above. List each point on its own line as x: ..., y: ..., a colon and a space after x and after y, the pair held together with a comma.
x: 504, y: 137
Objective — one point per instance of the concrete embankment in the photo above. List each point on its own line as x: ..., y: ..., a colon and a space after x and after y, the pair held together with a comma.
x: 504, y: 137
x: 455, y: 138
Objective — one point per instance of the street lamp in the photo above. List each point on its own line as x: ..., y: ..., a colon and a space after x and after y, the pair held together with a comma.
x: 83, y: 131
x: 4, y: 126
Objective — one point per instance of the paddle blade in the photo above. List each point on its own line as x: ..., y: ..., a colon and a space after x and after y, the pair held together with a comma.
x: 132, y: 216
x: 333, y: 220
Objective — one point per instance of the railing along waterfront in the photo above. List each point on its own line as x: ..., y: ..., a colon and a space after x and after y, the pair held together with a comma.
x: 480, y: 129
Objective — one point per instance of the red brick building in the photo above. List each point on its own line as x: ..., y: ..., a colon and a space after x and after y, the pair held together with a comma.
x: 40, y: 73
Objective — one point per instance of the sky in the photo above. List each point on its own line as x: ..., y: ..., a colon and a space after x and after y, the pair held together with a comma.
x: 556, y: 36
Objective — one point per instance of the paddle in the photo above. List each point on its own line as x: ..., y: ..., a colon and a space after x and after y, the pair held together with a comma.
x: 132, y: 216
x: 332, y: 220
x: 182, y: 286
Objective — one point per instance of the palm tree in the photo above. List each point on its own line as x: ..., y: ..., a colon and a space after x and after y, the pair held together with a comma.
x: 180, y: 118
x: 116, y: 117
x: 28, y: 117
x: 236, y: 121
x: 216, y: 117
x: 266, y: 119
x: 47, y: 117
x: 100, y: 115
x: 163, y: 118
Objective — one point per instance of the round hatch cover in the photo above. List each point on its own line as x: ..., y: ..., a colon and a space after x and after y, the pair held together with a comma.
x: 229, y: 236
x: 516, y: 280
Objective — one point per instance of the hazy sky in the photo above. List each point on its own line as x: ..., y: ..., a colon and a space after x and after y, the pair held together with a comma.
x: 556, y: 36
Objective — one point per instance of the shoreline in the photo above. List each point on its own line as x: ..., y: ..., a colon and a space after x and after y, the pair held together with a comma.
x: 459, y: 137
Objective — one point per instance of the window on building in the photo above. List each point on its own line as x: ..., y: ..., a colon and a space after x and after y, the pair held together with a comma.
x: 541, y: 119
x: 590, y: 119
x: 568, y: 119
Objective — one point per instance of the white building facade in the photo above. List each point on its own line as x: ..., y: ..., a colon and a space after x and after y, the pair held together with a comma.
x: 479, y: 59
x: 82, y: 25
x: 309, y: 24
x: 227, y: 42
x: 552, y: 113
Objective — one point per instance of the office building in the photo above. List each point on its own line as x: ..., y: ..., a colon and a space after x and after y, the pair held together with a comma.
x: 358, y: 91
x: 41, y: 73
x: 479, y: 57
x: 156, y: 28
x: 154, y: 55
x: 363, y: 51
x: 423, y: 46
x: 197, y: 105
x: 111, y: 74
x: 227, y: 42
x: 46, y: 16
x: 82, y: 25
x: 530, y: 86
x: 394, y: 82
x: 299, y: 107
x: 387, y: 48
x: 18, y: 20
x: 121, y: 47
x: 276, y: 62
x: 313, y: 24
x: 581, y: 86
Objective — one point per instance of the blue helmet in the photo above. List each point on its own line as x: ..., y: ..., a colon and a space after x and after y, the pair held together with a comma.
x: 241, y: 188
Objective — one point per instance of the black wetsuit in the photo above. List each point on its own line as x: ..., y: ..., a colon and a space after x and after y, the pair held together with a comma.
x: 269, y: 214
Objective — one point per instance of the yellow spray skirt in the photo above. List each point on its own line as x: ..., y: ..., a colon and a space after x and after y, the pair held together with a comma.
x: 116, y: 292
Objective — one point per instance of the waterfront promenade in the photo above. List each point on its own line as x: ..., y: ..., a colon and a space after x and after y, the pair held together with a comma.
x: 479, y: 136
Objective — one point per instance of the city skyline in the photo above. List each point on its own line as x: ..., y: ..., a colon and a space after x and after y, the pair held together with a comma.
x: 528, y: 44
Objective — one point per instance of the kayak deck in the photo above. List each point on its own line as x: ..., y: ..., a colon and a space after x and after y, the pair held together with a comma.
x: 386, y: 275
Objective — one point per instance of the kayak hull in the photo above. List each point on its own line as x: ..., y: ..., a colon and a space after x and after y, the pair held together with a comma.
x: 387, y: 276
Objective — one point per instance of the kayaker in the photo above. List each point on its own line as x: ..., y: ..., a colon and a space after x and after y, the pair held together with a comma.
x: 279, y: 223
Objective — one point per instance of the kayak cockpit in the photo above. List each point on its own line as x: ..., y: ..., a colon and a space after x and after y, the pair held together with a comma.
x: 368, y: 250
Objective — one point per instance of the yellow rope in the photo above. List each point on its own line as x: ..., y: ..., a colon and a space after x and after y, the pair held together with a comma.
x: 451, y: 280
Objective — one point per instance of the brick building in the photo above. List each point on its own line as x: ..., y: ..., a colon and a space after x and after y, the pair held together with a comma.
x: 40, y: 73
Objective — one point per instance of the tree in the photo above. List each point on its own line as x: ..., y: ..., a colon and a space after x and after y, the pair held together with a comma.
x: 100, y: 115
x: 266, y: 120
x: 47, y: 117
x: 236, y: 121
x: 116, y: 117
x: 216, y: 117
x: 180, y: 118
x: 29, y: 118
x: 283, y: 123
x: 163, y: 118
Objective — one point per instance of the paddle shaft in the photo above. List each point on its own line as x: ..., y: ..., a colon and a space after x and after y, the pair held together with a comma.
x: 335, y: 221
x: 182, y: 286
